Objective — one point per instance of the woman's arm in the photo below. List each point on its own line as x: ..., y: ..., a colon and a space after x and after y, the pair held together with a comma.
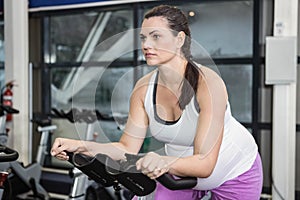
x: 130, y: 141
x: 212, y: 99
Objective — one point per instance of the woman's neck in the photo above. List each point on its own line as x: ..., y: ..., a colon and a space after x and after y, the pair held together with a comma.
x: 172, y: 74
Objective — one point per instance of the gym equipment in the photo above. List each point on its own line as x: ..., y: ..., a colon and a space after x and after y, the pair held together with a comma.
x: 109, y: 172
x: 45, y: 127
x: 4, y: 111
x: 6, y: 155
x: 80, y: 181
x: 83, y: 187
x: 28, y: 177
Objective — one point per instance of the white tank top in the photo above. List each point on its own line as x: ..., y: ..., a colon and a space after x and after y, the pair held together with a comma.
x: 237, y: 152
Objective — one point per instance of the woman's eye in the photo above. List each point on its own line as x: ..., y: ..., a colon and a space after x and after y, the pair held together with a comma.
x: 142, y: 38
x: 156, y: 37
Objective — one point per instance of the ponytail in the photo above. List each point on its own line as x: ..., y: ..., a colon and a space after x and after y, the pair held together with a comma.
x: 189, y: 84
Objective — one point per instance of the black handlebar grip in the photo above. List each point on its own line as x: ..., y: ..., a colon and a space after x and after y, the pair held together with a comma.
x: 7, y: 154
x: 9, y: 109
x: 57, y: 113
x: 167, y: 180
x: 93, y: 167
x: 70, y: 154
x: 173, y: 183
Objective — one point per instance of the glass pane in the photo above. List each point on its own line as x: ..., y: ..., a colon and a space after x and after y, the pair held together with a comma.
x: 92, y: 87
x: 238, y: 79
x: 2, y: 41
x: 80, y: 37
x: 224, y: 29
x: 2, y: 78
x: 298, y: 96
x: 298, y: 36
x: 67, y: 36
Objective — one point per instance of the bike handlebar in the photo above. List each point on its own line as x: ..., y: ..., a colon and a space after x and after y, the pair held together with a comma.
x: 108, y: 172
x: 9, y: 109
x: 7, y: 154
x: 84, y: 115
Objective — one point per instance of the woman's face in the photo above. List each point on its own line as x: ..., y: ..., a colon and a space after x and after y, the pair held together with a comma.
x: 159, y: 45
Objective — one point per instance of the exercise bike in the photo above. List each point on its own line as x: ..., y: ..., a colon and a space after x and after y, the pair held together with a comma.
x: 27, y: 178
x: 83, y: 188
x: 108, y: 172
x: 4, y: 110
x: 6, y: 155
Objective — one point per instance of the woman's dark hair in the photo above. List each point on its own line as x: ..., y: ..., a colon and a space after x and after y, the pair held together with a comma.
x: 177, y: 22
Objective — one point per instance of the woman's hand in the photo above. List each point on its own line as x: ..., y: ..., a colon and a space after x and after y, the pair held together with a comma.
x: 153, y: 165
x: 61, y: 145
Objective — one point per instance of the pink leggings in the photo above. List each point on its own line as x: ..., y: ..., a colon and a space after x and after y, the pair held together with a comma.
x: 247, y: 186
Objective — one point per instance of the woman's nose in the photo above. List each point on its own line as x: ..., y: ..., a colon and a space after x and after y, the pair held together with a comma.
x: 146, y: 44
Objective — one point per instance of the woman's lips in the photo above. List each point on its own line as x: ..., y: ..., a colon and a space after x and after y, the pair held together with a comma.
x: 149, y: 55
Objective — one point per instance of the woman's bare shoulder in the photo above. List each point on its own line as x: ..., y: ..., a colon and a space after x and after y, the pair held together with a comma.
x: 145, y: 79
x: 210, y: 75
x: 212, y: 82
x: 141, y: 85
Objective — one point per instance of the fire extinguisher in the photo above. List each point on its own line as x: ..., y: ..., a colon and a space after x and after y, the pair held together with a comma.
x: 7, y: 98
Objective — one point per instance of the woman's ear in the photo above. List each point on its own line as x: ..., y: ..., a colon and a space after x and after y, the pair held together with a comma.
x: 180, y: 39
